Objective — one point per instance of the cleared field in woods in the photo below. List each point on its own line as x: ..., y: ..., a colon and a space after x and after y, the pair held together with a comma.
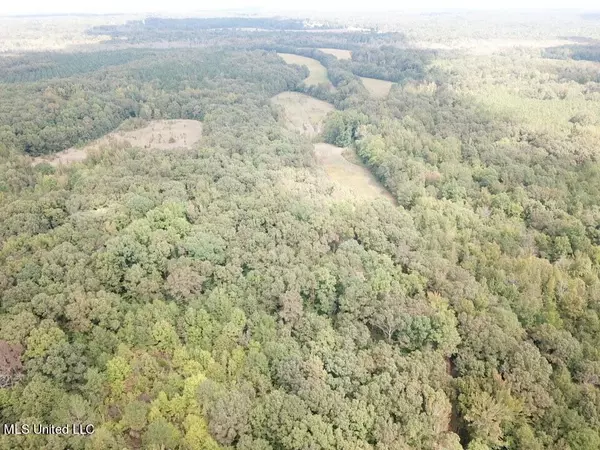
x: 318, y: 72
x: 353, y: 177
x: 305, y: 114
x: 377, y: 88
x: 301, y: 112
x: 158, y: 134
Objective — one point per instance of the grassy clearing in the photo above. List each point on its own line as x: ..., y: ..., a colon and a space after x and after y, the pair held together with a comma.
x: 159, y: 134
x: 377, y: 88
x: 353, y: 178
x: 69, y: 156
x: 347, y: 178
x: 164, y: 134
x: 318, y: 72
x: 301, y: 112
x: 338, y: 53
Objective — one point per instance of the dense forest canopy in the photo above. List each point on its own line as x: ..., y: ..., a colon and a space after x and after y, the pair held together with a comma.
x: 58, y: 112
x: 221, y: 297
x: 589, y: 52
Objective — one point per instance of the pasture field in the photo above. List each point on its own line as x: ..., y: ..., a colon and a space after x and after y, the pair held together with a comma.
x: 301, y: 112
x: 377, y: 88
x: 351, y: 180
x: 158, y: 134
x: 353, y: 177
x: 318, y: 72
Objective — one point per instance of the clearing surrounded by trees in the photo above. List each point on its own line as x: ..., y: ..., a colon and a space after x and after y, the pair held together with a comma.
x: 158, y: 134
x: 306, y: 115
x: 377, y: 88
x: 357, y: 179
x: 302, y: 112
x: 318, y: 73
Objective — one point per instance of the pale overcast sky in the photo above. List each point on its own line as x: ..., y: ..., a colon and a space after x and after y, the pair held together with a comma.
x: 179, y: 6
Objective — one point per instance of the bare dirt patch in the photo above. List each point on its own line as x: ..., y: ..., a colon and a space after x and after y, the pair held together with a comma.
x: 318, y: 72
x: 11, y: 368
x: 338, y: 53
x: 377, y: 88
x: 354, y: 178
x: 159, y: 134
x: 301, y: 112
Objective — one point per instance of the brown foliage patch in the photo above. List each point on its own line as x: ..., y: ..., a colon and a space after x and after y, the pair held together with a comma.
x: 11, y: 368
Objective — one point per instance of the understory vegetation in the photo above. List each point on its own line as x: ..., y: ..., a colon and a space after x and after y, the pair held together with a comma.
x: 216, y: 297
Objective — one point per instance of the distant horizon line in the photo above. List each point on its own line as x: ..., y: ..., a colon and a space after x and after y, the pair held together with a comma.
x: 274, y: 12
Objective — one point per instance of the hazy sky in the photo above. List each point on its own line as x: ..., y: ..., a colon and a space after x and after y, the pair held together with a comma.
x: 107, y: 6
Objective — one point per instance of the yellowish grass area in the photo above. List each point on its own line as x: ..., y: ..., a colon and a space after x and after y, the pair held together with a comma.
x: 338, y: 53
x: 318, y: 72
x: 302, y: 113
x: 353, y: 179
x: 68, y: 156
x: 377, y: 88
x: 344, y: 177
x: 159, y: 134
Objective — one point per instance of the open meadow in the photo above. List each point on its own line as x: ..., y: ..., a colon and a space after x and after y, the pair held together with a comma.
x: 318, y: 73
x: 301, y: 112
x: 158, y: 134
